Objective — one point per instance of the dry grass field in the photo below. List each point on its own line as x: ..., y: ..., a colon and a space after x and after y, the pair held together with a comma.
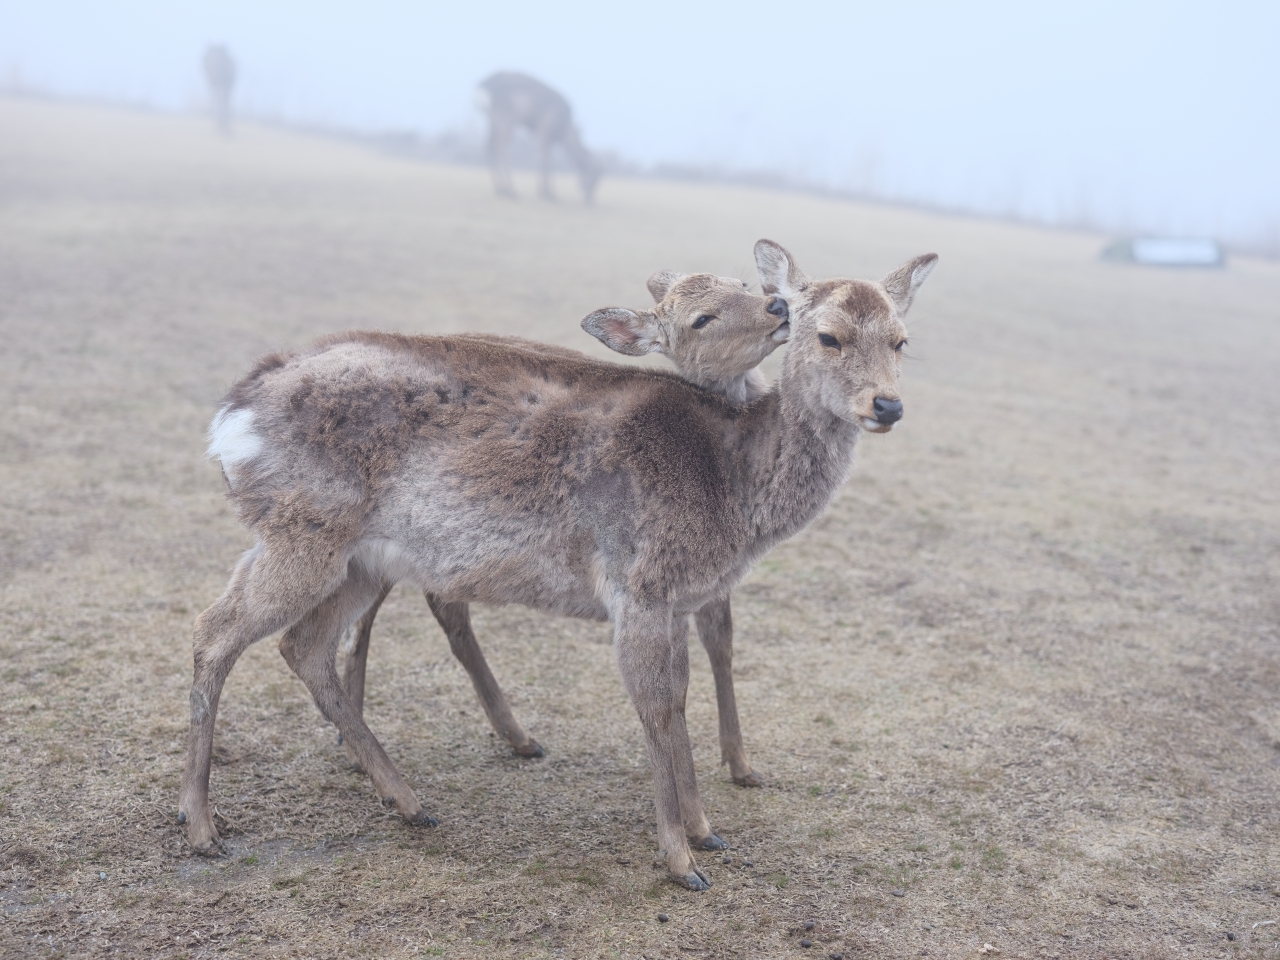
x: 1020, y: 687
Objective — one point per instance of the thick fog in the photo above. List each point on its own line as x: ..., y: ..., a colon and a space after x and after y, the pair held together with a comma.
x: 1150, y: 116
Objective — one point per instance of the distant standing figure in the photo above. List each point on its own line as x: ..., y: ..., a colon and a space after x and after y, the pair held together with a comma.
x: 517, y: 100
x: 220, y: 72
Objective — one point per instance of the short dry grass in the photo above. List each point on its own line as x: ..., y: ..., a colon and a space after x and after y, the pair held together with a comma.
x: 1019, y: 687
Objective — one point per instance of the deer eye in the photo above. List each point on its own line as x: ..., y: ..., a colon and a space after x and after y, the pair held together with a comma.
x: 702, y: 321
x: 897, y: 347
x: 827, y: 340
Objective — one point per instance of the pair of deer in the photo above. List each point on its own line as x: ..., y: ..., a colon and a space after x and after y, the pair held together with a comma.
x: 492, y: 470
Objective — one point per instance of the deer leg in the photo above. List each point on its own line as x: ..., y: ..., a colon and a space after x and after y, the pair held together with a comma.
x: 642, y: 640
x: 500, y: 157
x: 354, y: 669
x: 587, y: 173
x: 455, y: 620
x: 715, y: 630
x: 696, y: 825
x: 269, y: 590
x: 545, y: 188
x: 309, y: 647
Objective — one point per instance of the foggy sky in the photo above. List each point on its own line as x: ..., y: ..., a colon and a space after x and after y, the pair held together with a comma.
x: 1148, y: 116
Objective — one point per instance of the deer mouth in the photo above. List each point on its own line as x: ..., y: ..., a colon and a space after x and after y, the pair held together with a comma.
x: 782, y: 333
x: 871, y: 425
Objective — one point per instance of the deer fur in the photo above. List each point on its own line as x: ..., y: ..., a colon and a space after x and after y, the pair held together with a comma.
x: 515, y: 100
x: 489, y: 473
x: 716, y: 334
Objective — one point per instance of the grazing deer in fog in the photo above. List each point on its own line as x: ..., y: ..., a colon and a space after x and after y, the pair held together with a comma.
x: 515, y: 100
x: 490, y: 473
x: 220, y: 75
x: 716, y: 334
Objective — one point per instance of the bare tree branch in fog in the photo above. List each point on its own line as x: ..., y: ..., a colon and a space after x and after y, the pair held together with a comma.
x: 220, y: 74
x: 515, y: 100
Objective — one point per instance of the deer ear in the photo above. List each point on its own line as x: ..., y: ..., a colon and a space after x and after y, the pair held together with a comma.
x: 902, y: 284
x: 660, y: 283
x: 779, y: 275
x: 625, y: 330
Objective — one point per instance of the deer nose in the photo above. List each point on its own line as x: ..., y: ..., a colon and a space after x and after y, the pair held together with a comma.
x: 888, y: 411
x: 778, y: 307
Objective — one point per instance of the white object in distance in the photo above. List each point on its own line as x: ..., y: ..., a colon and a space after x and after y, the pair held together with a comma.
x: 1167, y: 252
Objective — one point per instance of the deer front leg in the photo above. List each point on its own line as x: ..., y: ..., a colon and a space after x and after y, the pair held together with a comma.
x: 642, y: 640
x: 310, y: 647
x: 455, y: 620
x: 696, y: 825
x: 715, y: 630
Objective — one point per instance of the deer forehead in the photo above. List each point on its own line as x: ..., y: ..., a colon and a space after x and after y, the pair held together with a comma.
x: 851, y: 307
x: 707, y: 292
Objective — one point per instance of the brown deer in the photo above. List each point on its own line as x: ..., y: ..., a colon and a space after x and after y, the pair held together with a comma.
x: 220, y: 75
x: 491, y: 473
x: 716, y: 334
x: 515, y: 100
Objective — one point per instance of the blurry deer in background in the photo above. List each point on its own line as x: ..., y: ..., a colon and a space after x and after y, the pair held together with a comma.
x: 716, y: 334
x: 514, y: 100
x: 220, y: 74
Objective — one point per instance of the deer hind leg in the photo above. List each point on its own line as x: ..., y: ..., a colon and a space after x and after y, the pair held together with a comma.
x: 696, y: 825
x: 500, y: 132
x: 715, y: 630
x: 455, y: 620
x: 545, y: 188
x: 353, y: 670
x: 310, y: 648
x: 270, y: 588
x: 642, y: 641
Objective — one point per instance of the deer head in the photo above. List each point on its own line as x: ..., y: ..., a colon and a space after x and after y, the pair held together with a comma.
x: 848, y: 335
x: 711, y: 328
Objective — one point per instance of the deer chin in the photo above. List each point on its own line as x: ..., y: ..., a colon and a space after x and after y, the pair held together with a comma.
x: 875, y: 426
x: 782, y: 333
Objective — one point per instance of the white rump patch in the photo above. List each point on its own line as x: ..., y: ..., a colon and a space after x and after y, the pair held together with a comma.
x: 232, y: 438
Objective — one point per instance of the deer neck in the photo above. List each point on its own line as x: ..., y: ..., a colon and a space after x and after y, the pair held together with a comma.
x: 800, y: 455
x: 742, y: 388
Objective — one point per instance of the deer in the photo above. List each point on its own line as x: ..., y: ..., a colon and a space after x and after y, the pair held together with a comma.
x: 489, y: 473
x: 220, y: 75
x: 715, y: 334
x: 514, y: 100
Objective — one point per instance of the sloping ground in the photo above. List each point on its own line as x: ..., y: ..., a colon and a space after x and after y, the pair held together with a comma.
x: 1019, y: 687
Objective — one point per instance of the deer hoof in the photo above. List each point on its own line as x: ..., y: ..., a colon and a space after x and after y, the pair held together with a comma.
x: 750, y: 779
x: 530, y: 751
x: 711, y: 842
x: 210, y: 848
x: 423, y: 820
x: 694, y: 881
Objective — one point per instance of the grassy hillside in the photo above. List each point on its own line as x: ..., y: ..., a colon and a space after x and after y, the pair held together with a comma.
x: 1020, y: 686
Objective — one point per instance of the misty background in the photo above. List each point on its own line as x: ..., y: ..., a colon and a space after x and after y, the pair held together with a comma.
x: 1133, y: 118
